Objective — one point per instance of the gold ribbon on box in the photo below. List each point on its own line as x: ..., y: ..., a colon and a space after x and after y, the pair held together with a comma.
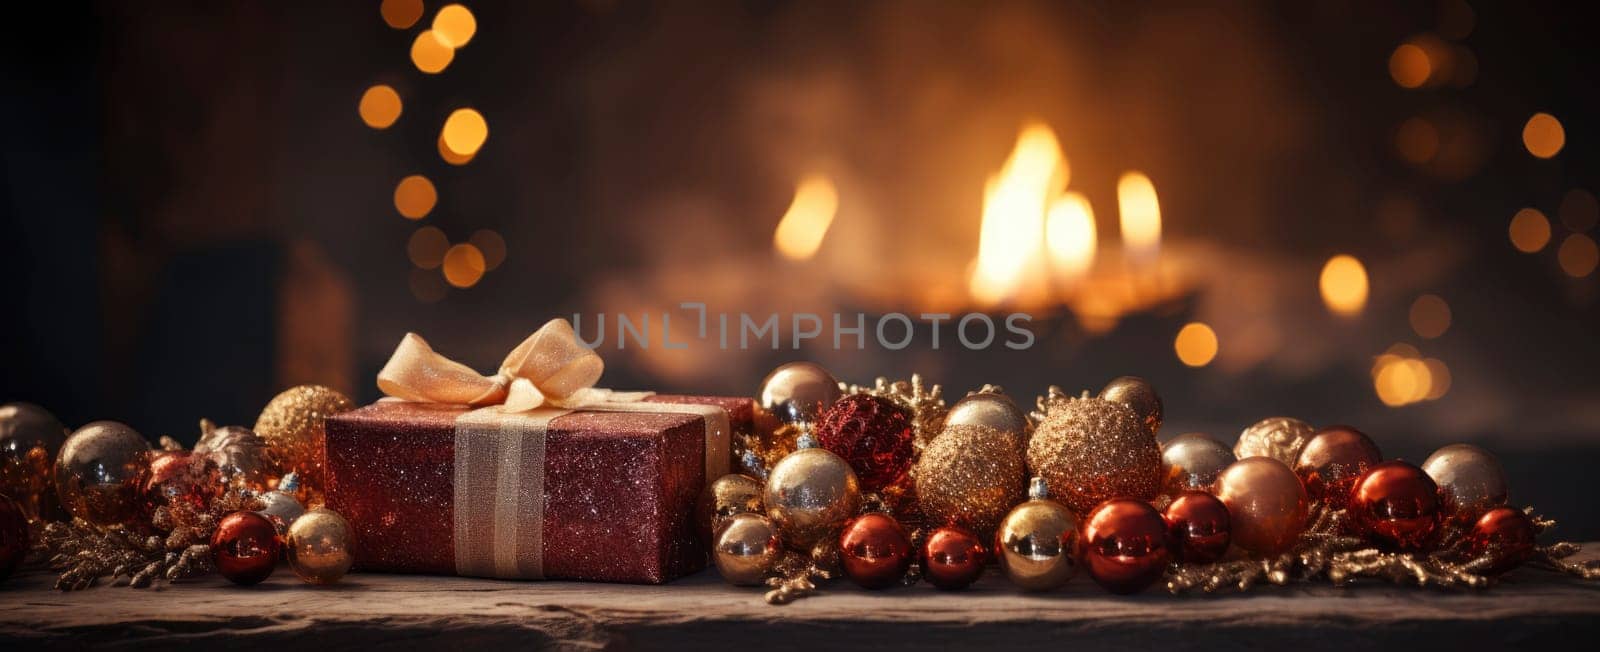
x: 500, y: 447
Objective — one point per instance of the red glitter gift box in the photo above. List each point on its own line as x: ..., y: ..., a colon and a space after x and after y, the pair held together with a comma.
x: 604, y: 493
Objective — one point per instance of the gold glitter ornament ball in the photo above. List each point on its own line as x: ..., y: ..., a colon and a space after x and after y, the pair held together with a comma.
x: 810, y: 494
x: 292, y: 424
x: 1091, y: 450
x: 971, y: 476
x: 1280, y: 438
x: 318, y: 546
x: 727, y: 497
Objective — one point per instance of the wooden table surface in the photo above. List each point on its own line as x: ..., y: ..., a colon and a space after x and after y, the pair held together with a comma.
x: 1529, y: 608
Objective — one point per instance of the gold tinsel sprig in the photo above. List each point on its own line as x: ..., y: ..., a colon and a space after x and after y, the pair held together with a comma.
x: 85, y: 553
x: 1054, y: 397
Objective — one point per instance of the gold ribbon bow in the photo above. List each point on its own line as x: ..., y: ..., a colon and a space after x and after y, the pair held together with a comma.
x: 552, y: 367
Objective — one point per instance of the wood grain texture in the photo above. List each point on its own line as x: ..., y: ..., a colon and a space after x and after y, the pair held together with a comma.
x: 1530, y: 608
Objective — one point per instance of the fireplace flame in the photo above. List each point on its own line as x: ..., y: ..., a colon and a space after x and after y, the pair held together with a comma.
x: 802, y: 228
x: 1070, y: 237
x: 1015, y: 201
x: 1141, y: 217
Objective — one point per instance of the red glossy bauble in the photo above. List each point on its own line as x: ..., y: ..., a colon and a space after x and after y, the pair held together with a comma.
x: 1332, y: 461
x: 245, y: 547
x: 952, y: 558
x: 1125, y: 545
x: 873, y: 434
x: 1396, y: 505
x: 1505, y: 534
x: 874, y: 550
x: 180, y: 476
x: 1199, y: 527
x: 13, y: 536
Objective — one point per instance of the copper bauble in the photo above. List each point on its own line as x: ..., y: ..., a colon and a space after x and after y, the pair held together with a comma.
x: 1470, y: 481
x: 30, y: 438
x: 746, y: 549
x: 245, y: 547
x: 970, y: 476
x: 1091, y: 450
x: 1038, y: 544
x: 952, y: 558
x: 873, y: 434
x: 318, y: 546
x: 179, y: 477
x: 99, y: 470
x: 241, y: 455
x: 293, y: 425
x: 874, y: 550
x: 809, y: 494
x: 1140, y: 396
x: 1505, y: 535
x: 1279, y: 438
x: 1125, y: 545
x: 1267, y: 506
x: 1396, y: 505
x: 1332, y: 460
x: 1192, y: 462
x: 1199, y: 526
x: 797, y: 393
x: 989, y: 409
x: 13, y: 535
x: 726, y: 497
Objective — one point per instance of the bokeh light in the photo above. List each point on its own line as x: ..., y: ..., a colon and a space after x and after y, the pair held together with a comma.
x: 1344, y: 285
x: 1196, y: 344
x: 1530, y: 230
x: 426, y: 247
x: 491, y: 245
x: 1438, y: 379
x: 1430, y: 316
x: 380, y: 106
x: 1409, y: 66
x: 454, y: 25
x: 1578, y: 255
x: 414, y: 197
x: 1400, y: 376
x: 1543, y: 135
x: 430, y: 54
x: 452, y: 157
x: 464, y: 266
x: 401, y: 14
x: 1579, y: 210
x: 465, y: 131
x: 1417, y: 140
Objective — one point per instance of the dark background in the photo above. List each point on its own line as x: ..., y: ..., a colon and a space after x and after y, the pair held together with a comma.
x: 195, y: 217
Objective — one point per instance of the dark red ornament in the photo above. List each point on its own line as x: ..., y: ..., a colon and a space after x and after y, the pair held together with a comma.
x: 873, y: 434
x: 1199, y: 527
x: 1396, y: 505
x: 13, y: 536
x: 245, y: 547
x: 1332, y: 461
x: 1125, y: 545
x: 1505, y: 534
x: 874, y: 550
x: 180, y: 476
x: 952, y: 558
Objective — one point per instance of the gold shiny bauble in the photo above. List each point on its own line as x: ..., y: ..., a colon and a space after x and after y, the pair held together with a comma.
x: 798, y: 392
x: 318, y: 546
x: 746, y: 549
x: 293, y: 426
x: 728, y: 496
x: 970, y: 475
x: 809, y: 495
x: 1192, y: 462
x: 98, y: 472
x: 1280, y: 438
x: 1039, y: 545
x: 1267, y: 505
x: 241, y: 455
x: 30, y: 437
x: 989, y: 409
x: 1091, y: 450
x: 1140, y: 396
x: 1470, y: 481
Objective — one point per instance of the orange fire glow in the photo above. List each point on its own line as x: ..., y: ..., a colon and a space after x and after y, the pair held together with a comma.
x: 800, y: 232
x: 1010, y: 242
